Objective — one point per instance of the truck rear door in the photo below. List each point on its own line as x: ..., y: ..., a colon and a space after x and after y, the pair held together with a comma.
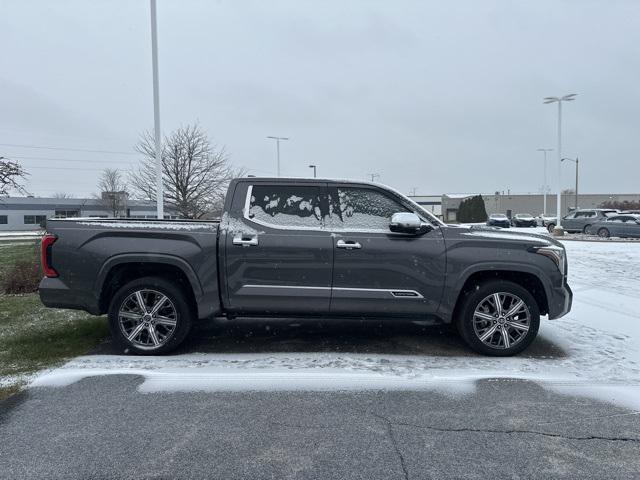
x: 278, y: 258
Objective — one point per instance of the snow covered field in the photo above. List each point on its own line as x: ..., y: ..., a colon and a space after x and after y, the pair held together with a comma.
x: 600, y: 339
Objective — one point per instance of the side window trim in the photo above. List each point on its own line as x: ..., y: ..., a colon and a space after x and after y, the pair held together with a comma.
x: 257, y: 221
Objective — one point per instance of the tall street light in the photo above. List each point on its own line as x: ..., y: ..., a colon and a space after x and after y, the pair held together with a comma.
x: 544, y: 186
x: 576, y: 161
x: 156, y: 110
x: 277, y: 139
x: 567, y: 98
x: 314, y: 170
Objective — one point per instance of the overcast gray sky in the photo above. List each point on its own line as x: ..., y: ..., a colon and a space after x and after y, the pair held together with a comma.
x: 441, y: 96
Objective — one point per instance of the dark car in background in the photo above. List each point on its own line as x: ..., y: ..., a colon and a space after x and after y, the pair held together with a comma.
x: 498, y: 220
x: 625, y: 226
x: 523, y: 220
x: 579, y: 221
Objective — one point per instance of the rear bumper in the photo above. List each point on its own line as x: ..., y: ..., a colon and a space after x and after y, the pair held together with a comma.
x: 560, y: 300
x: 55, y: 293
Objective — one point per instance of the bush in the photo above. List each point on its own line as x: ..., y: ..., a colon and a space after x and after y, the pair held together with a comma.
x: 23, y: 277
x: 472, y: 210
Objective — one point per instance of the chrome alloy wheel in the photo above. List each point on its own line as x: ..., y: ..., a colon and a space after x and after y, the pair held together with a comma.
x: 147, y: 319
x: 501, y: 320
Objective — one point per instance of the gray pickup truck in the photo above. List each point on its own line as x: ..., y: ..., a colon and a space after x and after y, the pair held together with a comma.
x: 305, y: 248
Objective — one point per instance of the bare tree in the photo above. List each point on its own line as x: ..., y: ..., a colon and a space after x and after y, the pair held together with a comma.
x: 63, y: 195
x: 113, y: 194
x: 11, y: 174
x: 195, y: 173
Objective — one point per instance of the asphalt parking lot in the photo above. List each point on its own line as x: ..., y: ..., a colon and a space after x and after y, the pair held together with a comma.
x: 104, y: 427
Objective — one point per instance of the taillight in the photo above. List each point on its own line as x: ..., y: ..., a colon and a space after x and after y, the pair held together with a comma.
x: 45, y: 255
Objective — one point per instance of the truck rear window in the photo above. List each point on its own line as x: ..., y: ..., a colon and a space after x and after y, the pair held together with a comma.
x: 286, y: 206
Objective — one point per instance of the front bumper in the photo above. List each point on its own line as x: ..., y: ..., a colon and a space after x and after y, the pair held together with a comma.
x: 560, y: 300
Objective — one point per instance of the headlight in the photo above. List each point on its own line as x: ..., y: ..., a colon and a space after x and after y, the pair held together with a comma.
x: 555, y: 253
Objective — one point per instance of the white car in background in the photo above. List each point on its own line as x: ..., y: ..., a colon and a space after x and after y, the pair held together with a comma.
x: 544, y: 220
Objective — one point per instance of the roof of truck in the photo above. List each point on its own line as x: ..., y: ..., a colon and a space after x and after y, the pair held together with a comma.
x: 306, y: 179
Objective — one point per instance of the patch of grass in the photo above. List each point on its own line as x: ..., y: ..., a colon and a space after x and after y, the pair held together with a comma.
x: 33, y: 337
x: 20, y: 267
x: 13, y: 251
x: 6, y: 392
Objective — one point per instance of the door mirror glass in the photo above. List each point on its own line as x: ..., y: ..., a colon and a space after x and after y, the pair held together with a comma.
x: 404, y: 222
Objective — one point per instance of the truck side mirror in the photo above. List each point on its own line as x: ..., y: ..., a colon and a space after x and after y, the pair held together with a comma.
x: 405, y: 222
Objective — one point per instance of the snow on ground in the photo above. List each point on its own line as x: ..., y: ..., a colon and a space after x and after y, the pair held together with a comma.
x: 20, y: 233
x: 600, y: 336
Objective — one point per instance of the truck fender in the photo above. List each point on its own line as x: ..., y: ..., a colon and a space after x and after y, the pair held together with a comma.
x: 454, y: 290
x: 124, y: 258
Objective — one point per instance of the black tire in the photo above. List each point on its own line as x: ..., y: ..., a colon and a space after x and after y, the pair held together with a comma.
x: 474, y: 297
x: 604, y: 233
x: 550, y: 227
x: 151, y: 286
x: 585, y: 230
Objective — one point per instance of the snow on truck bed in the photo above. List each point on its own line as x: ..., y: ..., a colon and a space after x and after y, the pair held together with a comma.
x: 150, y: 225
x: 599, y: 338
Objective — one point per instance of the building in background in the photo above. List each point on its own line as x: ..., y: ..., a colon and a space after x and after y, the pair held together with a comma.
x: 510, y: 204
x: 27, y: 213
x: 431, y: 203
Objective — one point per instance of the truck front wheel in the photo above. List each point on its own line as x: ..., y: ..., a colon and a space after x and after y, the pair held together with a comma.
x: 149, y: 316
x: 498, y: 318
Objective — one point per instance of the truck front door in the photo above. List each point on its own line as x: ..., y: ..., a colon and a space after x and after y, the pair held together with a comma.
x: 278, y: 259
x: 377, y: 272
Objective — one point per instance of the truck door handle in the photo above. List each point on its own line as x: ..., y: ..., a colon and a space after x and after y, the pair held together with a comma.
x: 349, y: 244
x: 245, y: 240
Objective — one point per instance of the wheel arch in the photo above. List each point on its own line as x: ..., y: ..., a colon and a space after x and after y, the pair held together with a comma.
x: 527, y: 279
x: 121, y: 269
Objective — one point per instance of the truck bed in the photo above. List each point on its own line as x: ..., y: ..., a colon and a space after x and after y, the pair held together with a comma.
x: 91, y: 255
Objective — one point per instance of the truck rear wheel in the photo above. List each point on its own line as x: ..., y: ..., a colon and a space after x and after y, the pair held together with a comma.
x: 149, y: 316
x: 498, y: 318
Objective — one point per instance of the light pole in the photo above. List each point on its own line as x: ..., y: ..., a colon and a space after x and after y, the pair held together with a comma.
x: 544, y: 186
x: 577, y: 162
x: 374, y: 176
x: 156, y: 110
x: 567, y: 98
x: 314, y: 170
x: 277, y: 139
